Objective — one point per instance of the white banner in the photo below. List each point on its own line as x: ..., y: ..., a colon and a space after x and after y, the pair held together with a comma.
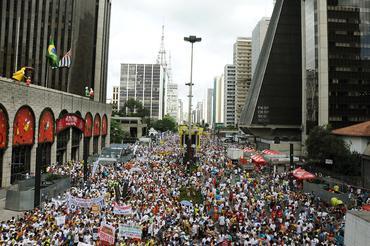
x: 75, y: 202
x: 122, y: 210
x: 129, y: 231
x: 61, y: 220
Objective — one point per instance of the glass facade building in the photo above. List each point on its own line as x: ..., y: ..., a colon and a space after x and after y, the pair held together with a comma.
x: 336, y: 62
x: 145, y: 83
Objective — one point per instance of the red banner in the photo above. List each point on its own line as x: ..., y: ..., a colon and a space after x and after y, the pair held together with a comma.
x: 104, y: 125
x: 70, y: 120
x: 88, y: 125
x: 96, y: 125
x: 46, y: 128
x: 3, y: 129
x: 23, y: 127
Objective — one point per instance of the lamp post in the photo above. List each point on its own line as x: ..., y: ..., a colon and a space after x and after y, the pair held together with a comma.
x: 192, y: 40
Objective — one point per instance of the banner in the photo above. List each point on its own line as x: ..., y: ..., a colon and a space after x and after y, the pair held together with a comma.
x: 122, y: 210
x: 107, y: 233
x: 95, y: 167
x: 129, y: 231
x: 69, y: 120
x: 61, y: 220
x: 75, y: 202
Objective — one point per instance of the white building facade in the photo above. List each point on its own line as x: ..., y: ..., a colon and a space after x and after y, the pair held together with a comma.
x: 172, y: 100
x: 258, y: 36
x: 229, y: 95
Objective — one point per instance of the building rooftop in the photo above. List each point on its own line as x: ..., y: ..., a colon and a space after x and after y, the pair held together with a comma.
x: 357, y: 130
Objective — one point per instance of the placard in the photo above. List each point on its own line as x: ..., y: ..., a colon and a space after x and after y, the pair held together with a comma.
x: 130, y: 231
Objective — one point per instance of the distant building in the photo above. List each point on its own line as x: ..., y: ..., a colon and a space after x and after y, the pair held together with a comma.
x: 218, y: 99
x: 229, y: 95
x: 243, y: 62
x: 145, y: 83
x: 115, y: 99
x: 199, y: 113
x: 132, y: 125
x: 180, y: 112
x: 209, y: 118
x: 258, y: 36
x: 172, y: 100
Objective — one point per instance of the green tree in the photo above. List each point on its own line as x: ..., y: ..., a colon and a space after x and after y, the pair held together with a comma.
x: 116, y: 132
x: 168, y: 123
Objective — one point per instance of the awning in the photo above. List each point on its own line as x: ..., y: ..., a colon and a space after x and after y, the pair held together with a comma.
x: 258, y: 159
x: 249, y: 150
x: 302, y: 174
x: 271, y: 152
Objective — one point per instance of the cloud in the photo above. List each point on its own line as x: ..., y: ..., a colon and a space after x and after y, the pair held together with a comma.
x: 136, y: 30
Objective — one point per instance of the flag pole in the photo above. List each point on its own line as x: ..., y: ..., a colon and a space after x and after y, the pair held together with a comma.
x: 17, y: 43
x: 47, y: 74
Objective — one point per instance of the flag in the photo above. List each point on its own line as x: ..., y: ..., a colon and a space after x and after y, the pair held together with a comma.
x: 19, y: 75
x: 66, y: 60
x: 52, y: 54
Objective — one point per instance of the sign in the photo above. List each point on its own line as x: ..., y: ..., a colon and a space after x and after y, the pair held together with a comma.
x: 107, y: 233
x: 61, y: 220
x: 129, y: 231
x: 122, y: 210
x: 69, y: 120
x: 75, y: 202
x: 95, y: 209
x: 329, y: 161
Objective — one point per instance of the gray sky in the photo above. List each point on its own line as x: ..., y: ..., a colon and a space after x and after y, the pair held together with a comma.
x: 136, y: 32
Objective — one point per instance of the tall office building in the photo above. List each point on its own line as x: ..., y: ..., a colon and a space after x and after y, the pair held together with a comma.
x: 218, y: 99
x: 115, y: 99
x: 336, y: 63
x: 209, y: 118
x: 172, y: 100
x: 180, y: 112
x: 79, y: 26
x: 199, y: 113
x: 243, y: 63
x: 229, y: 94
x: 145, y: 83
x: 273, y: 106
x: 258, y: 36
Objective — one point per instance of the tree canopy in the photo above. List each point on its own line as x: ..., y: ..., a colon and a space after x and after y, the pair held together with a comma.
x: 116, y: 132
x: 168, y: 123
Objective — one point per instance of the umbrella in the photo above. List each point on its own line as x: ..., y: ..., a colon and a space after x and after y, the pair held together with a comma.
x: 366, y: 207
x: 136, y: 169
x: 258, y: 159
x: 186, y: 203
x: 249, y: 150
x: 271, y: 152
x: 302, y: 174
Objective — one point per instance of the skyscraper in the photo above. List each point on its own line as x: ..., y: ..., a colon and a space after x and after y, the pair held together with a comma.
x: 180, y: 112
x: 229, y: 94
x: 172, y: 100
x: 199, y: 113
x: 258, y: 36
x: 336, y: 63
x: 115, y: 98
x: 79, y: 26
x: 218, y: 99
x: 243, y: 63
x: 145, y: 83
x: 209, y: 117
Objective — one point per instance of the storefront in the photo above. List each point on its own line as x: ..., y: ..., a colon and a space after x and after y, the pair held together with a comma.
x: 87, y: 135
x: 96, y: 134
x: 23, y: 140
x: 3, y: 138
x: 64, y: 123
x: 45, y: 139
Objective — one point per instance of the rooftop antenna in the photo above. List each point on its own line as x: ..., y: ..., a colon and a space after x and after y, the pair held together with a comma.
x: 161, y: 58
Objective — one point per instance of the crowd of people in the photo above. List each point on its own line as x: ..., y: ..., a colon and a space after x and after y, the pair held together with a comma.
x: 174, y: 203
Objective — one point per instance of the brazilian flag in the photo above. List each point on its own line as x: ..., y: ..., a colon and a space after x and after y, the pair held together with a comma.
x: 52, y: 55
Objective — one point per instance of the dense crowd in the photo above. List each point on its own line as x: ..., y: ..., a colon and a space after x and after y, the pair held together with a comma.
x: 233, y: 206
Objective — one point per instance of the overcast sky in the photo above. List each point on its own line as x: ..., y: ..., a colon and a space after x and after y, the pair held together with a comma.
x: 136, y: 33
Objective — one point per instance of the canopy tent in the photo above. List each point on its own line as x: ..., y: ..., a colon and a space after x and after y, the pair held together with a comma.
x: 302, y: 174
x: 271, y: 152
x: 258, y: 159
x: 249, y: 150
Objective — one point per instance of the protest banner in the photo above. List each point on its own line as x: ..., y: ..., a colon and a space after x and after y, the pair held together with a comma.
x: 107, y: 233
x: 95, y: 209
x: 75, y: 202
x: 122, y: 210
x: 129, y: 231
x: 61, y: 220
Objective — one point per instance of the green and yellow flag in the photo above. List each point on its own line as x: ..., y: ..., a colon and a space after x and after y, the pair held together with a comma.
x: 52, y: 54
x: 19, y: 75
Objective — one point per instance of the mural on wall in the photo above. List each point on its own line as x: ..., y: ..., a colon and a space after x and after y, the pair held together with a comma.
x: 88, y: 125
x: 96, y: 125
x: 23, y: 127
x: 46, y: 128
x: 104, y: 124
x: 3, y: 129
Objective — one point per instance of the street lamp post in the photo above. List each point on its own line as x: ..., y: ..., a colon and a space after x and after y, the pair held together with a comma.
x: 192, y: 40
